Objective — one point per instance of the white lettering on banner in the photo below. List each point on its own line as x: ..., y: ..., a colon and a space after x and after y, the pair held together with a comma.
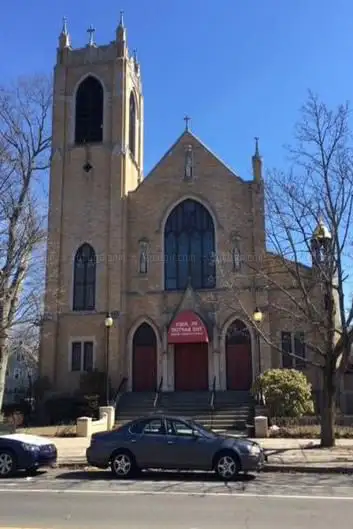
x: 183, y: 327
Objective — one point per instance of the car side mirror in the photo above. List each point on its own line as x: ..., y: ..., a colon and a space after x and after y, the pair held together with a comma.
x: 196, y: 434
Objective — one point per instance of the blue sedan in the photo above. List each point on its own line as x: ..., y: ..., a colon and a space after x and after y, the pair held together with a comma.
x: 25, y: 452
x: 172, y: 443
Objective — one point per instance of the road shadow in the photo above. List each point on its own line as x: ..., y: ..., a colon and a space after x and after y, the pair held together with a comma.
x: 153, y: 476
x: 309, y: 446
x: 23, y: 474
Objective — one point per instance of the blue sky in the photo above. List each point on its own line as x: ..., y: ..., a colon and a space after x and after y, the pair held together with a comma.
x: 239, y: 69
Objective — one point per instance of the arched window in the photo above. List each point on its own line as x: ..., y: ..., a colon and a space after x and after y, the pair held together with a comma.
x: 189, y: 247
x: 237, y: 333
x: 144, y: 376
x: 145, y: 336
x: 84, y: 293
x: 132, y: 125
x: 89, y: 112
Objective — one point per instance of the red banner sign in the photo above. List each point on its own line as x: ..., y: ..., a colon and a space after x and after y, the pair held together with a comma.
x: 187, y: 327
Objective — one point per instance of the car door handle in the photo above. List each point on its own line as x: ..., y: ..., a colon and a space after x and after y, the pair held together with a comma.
x: 133, y: 440
x: 170, y: 442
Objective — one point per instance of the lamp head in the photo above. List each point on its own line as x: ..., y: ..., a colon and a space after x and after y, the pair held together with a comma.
x: 108, y: 322
x: 257, y: 316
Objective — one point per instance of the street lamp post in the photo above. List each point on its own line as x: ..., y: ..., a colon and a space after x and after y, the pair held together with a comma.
x: 108, y: 322
x: 257, y: 317
x: 323, y: 255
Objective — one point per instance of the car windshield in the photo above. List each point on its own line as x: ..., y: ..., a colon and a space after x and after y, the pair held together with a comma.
x: 202, y: 429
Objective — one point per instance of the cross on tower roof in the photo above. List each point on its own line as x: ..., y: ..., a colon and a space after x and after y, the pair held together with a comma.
x: 257, y: 153
x: 91, y: 30
x: 187, y: 119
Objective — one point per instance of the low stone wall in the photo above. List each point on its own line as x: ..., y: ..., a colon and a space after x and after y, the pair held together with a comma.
x: 86, y: 426
x: 342, y: 419
x: 261, y: 426
x: 310, y: 420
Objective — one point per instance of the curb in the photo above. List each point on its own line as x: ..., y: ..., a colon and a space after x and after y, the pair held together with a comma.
x: 299, y: 469
x: 308, y: 469
x: 72, y: 465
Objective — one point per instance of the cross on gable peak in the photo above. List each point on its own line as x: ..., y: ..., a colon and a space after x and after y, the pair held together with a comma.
x: 187, y: 119
x: 91, y: 31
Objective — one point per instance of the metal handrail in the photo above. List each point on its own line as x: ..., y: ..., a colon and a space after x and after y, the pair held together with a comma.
x: 120, y: 389
x: 122, y: 383
x: 213, y: 394
x: 156, y: 398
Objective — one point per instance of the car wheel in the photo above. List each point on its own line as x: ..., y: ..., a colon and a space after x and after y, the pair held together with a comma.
x: 122, y: 464
x: 7, y: 464
x: 227, y: 466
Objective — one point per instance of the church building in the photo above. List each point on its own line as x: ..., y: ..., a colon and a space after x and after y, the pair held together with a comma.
x: 142, y: 271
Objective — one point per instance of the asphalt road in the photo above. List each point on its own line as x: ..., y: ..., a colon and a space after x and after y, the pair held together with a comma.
x: 75, y: 500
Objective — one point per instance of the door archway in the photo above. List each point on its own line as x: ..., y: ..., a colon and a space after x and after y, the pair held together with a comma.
x: 238, y: 357
x: 144, y: 359
x: 188, y: 333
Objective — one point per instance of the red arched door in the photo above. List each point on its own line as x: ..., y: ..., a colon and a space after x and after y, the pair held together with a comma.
x: 144, y: 359
x: 238, y: 357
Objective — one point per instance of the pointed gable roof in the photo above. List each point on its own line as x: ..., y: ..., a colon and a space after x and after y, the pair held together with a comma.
x: 186, y: 134
x: 191, y: 301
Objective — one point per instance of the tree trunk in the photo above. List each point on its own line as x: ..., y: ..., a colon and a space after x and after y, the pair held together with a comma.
x: 328, y: 409
x: 3, y: 367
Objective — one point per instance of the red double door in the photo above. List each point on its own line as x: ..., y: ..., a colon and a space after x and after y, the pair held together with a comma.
x: 191, y: 367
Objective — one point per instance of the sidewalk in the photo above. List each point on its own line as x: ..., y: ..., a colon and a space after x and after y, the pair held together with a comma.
x: 300, y: 455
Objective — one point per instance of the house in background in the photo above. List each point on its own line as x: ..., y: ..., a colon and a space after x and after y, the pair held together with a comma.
x: 22, y: 371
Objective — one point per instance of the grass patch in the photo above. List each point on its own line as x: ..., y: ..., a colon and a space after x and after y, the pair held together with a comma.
x: 62, y: 430
x: 310, y: 432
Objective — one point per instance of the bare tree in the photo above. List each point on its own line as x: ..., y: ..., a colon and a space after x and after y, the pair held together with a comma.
x: 25, y: 110
x: 305, y: 275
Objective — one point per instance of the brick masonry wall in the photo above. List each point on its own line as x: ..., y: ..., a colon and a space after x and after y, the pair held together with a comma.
x: 109, y: 209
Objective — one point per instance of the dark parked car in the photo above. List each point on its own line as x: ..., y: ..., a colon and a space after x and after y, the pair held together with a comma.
x: 25, y: 452
x: 172, y: 443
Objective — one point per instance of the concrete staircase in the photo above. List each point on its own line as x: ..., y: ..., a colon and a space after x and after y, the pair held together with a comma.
x: 233, y: 410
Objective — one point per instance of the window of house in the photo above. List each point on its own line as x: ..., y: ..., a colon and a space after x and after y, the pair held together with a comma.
x: 293, y: 343
x: 17, y: 373
x: 82, y: 356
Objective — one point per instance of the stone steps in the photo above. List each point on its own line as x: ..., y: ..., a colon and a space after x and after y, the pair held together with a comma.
x: 239, y: 424
x: 232, y: 409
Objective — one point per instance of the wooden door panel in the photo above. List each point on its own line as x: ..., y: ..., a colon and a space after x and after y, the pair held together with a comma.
x: 144, y: 368
x: 191, y: 367
x: 239, y: 367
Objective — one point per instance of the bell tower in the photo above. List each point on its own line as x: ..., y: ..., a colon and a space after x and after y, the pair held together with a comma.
x: 97, y: 159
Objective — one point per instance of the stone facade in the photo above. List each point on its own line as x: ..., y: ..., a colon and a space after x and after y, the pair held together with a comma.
x: 98, y: 196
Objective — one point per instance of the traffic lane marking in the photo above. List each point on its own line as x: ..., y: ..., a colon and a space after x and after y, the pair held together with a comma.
x: 138, y: 492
